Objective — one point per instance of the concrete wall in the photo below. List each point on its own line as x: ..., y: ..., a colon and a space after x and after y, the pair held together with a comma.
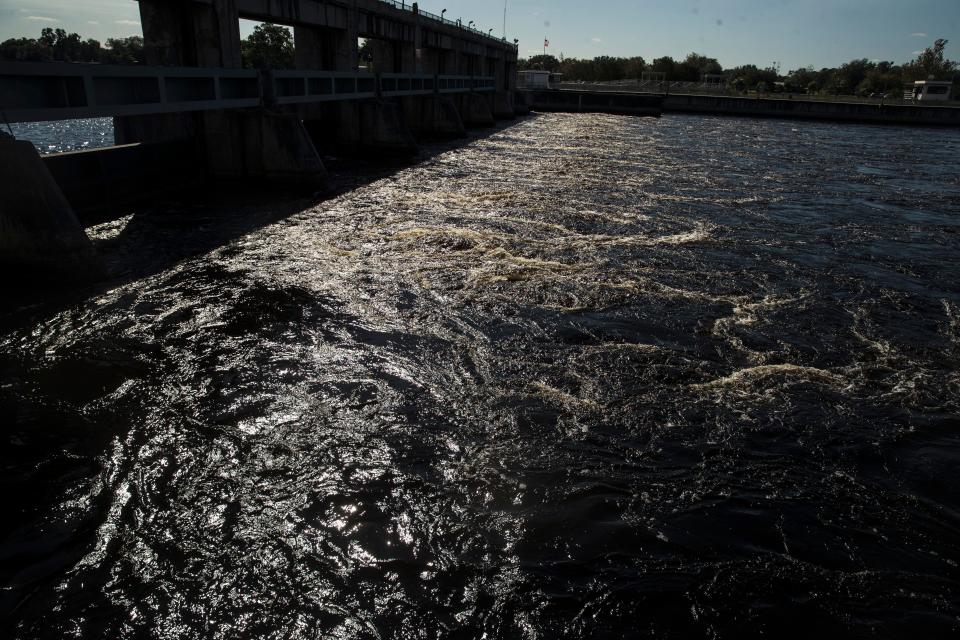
x: 107, y: 178
x: 598, y: 102
x: 814, y: 110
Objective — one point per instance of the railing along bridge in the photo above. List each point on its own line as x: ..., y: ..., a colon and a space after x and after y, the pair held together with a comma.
x: 31, y: 92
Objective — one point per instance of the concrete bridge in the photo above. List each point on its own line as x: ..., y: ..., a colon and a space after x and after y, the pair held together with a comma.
x: 431, y: 77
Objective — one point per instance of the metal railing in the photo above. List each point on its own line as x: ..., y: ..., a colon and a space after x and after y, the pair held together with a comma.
x: 408, y: 6
x: 708, y: 89
x: 31, y: 92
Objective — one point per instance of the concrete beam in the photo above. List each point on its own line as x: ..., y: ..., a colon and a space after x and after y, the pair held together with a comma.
x: 297, y: 13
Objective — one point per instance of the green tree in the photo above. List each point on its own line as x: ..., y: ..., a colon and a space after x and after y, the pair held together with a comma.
x: 931, y: 64
x: 365, y: 53
x: 575, y: 69
x: 542, y: 62
x: 749, y: 76
x: 665, y: 65
x: 634, y: 68
x: 695, y: 66
x: 25, y: 50
x: 801, y: 80
x: 66, y: 47
x: 90, y: 50
x: 269, y: 46
x: 884, y: 77
x: 54, y: 44
x: 849, y: 77
x: 124, y: 51
x: 607, y: 68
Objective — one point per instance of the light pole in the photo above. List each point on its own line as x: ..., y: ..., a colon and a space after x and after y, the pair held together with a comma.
x: 471, y: 23
x: 441, y: 14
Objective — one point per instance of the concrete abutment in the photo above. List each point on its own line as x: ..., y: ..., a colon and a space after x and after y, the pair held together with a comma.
x: 41, y: 239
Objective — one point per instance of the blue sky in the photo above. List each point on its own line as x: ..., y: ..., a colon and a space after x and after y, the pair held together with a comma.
x: 794, y: 33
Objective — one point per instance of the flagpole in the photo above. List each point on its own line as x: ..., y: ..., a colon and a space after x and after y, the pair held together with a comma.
x: 504, y: 19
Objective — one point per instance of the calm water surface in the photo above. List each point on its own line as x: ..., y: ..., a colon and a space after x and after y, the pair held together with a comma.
x: 586, y: 377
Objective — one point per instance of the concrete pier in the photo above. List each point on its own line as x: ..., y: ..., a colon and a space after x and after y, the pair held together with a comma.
x: 41, y: 239
x: 432, y: 117
x: 475, y: 110
x: 522, y: 103
x: 367, y: 127
x: 503, y: 108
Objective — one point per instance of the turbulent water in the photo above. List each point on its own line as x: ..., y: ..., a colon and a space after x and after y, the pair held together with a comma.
x: 582, y: 377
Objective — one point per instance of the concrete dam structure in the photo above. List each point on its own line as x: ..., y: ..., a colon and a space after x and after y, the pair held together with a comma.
x: 569, y: 101
x: 796, y: 109
x: 433, y: 78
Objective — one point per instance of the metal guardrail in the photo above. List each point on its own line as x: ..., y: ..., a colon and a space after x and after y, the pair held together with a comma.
x: 31, y: 92
x: 408, y: 6
x: 701, y: 89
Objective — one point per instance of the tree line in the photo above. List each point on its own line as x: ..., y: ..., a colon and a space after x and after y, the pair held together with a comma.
x: 268, y: 46
x: 56, y: 45
x: 272, y: 46
x: 857, y: 77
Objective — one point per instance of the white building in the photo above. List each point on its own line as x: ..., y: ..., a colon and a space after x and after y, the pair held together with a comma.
x: 534, y: 79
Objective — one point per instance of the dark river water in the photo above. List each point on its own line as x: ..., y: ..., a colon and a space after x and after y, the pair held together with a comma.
x: 582, y: 377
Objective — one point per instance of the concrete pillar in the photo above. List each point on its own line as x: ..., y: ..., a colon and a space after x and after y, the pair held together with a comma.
x: 431, y: 61
x: 510, y: 71
x: 432, y: 117
x: 235, y: 144
x: 314, y: 49
x: 320, y: 49
x: 361, y: 127
x: 521, y: 103
x: 503, y: 97
x: 261, y: 144
x: 419, y: 49
x: 393, y: 56
x: 41, y: 239
x: 475, y: 109
x: 191, y: 34
x: 503, y: 105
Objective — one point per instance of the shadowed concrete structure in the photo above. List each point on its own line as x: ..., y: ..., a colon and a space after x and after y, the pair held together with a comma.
x: 205, y: 33
x: 634, y: 104
x: 432, y: 79
x: 40, y: 236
